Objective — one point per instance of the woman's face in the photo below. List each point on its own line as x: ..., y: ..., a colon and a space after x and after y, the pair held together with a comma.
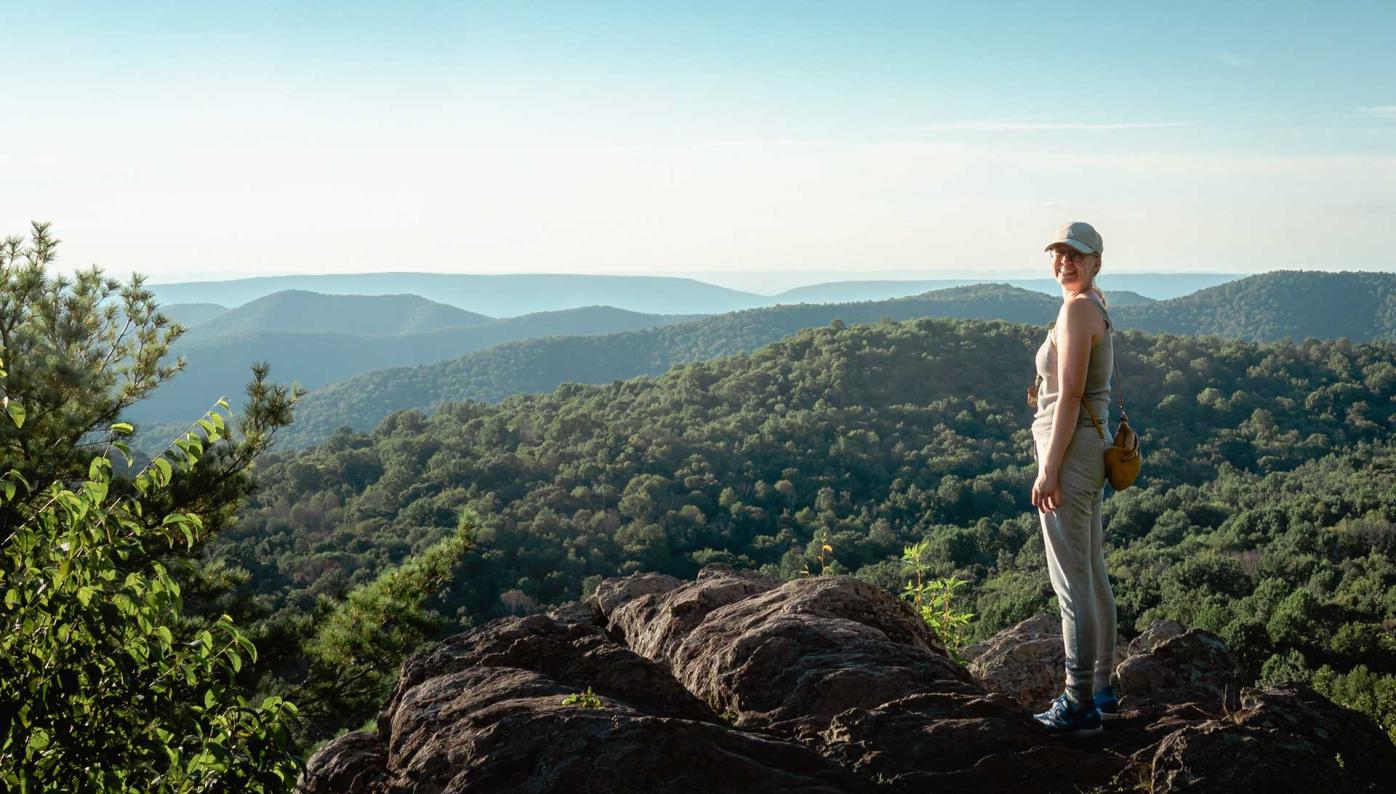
x: 1072, y: 269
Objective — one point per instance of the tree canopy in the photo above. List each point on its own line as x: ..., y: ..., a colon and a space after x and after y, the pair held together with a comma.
x: 107, y: 682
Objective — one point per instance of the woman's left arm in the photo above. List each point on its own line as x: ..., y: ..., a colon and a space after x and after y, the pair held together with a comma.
x: 1074, y: 331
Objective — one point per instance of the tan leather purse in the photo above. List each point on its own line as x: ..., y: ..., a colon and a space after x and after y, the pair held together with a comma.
x: 1122, y: 458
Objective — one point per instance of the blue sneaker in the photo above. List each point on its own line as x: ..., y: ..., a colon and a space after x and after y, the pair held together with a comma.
x: 1107, y: 703
x: 1064, y: 719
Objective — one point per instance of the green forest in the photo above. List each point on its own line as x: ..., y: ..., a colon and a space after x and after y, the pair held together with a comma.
x: 232, y: 605
x: 869, y: 438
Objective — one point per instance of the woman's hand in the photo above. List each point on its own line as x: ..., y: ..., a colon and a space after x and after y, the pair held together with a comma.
x: 1046, y: 493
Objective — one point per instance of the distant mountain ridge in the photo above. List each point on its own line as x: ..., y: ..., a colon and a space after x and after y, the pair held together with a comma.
x: 848, y: 291
x: 191, y: 315
x: 359, y: 315
x: 1283, y: 304
x: 513, y: 295
x: 216, y: 363
x: 542, y: 365
x: 491, y: 295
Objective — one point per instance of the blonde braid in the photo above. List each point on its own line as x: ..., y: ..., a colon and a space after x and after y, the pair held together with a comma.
x: 1096, y: 288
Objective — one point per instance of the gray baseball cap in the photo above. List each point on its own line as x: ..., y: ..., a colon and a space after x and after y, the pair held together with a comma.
x: 1079, y: 235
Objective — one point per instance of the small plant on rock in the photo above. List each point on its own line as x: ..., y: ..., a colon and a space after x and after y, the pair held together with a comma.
x: 583, y: 700
x: 934, y: 599
x: 824, y: 557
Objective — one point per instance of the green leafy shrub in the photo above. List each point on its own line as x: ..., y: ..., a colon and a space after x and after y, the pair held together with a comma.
x: 934, y: 599
x: 103, y: 685
x: 583, y: 700
x: 1285, y: 668
x: 1373, y: 694
x: 357, y: 649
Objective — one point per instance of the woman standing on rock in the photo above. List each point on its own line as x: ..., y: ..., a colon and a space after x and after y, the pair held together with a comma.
x: 1074, y: 364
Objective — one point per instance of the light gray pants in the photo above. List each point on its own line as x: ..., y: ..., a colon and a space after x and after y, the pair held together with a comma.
x: 1074, y: 542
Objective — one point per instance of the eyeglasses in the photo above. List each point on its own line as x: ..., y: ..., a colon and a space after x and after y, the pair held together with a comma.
x: 1069, y: 254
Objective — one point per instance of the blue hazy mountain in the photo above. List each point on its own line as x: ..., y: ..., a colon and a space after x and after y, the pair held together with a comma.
x: 358, y: 315
x: 191, y: 315
x: 513, y: 295
x: 539, y: 365
x: 495, y: 296
x: 216, y: 364
x: 850, y: 291
x: 1123, y: 288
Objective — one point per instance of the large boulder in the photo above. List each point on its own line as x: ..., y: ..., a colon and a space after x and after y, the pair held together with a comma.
x: 512, y: 730
x: 577, y: 655
x: 841, y: 665
x: 786, y: 657
x: 1026, y: 662
x: 355, y: 763
x: 1285, y: 739
x: 1193, y: 667
x: 534, y: 704
x: 1158, y: 632
x: 1216, y: 757
x: 961, y: 739
x: 653, y: 619
x: 1351, y: 738
x: 616, y: 591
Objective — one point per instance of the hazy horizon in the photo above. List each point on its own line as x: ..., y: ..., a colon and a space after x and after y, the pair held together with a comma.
x: 770, y: 282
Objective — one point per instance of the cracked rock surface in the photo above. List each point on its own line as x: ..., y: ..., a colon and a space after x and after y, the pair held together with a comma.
x: 737, y: 682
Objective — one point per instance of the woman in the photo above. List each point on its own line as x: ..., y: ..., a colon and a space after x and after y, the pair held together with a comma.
x: 1074, y: 363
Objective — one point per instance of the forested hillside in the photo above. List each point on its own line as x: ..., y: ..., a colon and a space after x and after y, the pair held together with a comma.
x: 540, y: 365
x: 1266, y: 479
x: 1280, y: 305
x: 216, y: 358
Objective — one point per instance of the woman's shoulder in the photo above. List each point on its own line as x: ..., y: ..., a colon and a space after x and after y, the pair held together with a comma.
x: 1080, y: 307
x: 1082, y: 314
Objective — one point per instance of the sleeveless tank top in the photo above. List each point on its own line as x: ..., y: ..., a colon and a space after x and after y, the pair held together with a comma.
x: 1098, y: 370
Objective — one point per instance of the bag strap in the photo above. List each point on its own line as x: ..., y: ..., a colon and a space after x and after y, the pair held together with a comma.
x: 1114, y: 369
x: 1094, y: 420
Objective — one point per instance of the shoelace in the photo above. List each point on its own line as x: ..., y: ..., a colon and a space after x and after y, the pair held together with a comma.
x: 1060, y: 711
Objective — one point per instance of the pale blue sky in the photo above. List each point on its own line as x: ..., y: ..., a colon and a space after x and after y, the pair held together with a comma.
x: 861, y: 137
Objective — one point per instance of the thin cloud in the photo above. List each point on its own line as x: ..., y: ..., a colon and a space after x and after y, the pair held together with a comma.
x: 1379, y: 111
x: 1034, y: 126
x: 1233, y: 60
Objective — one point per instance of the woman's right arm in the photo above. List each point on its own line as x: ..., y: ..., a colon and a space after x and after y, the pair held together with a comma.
x: 1074, y: 332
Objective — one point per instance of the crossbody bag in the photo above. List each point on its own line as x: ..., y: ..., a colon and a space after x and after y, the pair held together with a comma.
x: 1122, y: 457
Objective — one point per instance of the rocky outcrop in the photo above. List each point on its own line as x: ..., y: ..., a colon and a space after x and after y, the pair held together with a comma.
x: 1157, y: 632
x: 838, y: 665
x: 736, y: 682
x: 786, y: 657
x: 539, y: 704
x: 1025, y: 662
x: 1290, y: 739
x: 352, y: 764
x: 1192, y: 667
